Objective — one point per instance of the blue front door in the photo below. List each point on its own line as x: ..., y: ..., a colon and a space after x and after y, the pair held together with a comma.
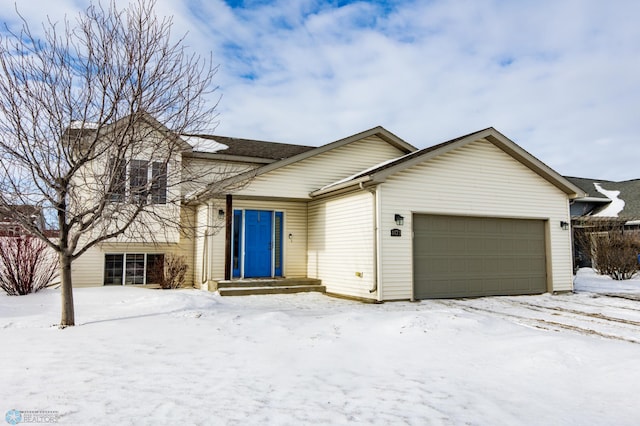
x: 258, y: 243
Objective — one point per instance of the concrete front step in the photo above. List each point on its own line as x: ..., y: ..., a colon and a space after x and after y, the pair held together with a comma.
x: 267, y: 282
x: 277, y: 289
x: 248, y: 286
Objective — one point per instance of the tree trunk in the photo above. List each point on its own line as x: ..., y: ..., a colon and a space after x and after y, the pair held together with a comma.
x: 68, y: 317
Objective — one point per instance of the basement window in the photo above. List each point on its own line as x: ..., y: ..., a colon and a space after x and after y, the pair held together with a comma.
x: 133, y: 268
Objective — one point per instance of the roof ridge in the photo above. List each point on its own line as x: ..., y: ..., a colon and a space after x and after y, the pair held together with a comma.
x: 233, y: 138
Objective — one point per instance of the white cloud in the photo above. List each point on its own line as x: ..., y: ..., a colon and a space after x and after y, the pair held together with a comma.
x: 556, y: 77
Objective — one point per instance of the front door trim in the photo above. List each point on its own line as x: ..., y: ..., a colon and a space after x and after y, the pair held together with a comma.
x: 241, y: 267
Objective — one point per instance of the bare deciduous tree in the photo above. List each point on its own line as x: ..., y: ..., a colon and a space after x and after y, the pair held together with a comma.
x: 76, y: 99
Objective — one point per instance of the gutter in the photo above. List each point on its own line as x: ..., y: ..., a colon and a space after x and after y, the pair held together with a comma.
x: 593, y: 199
x: 331, y: 188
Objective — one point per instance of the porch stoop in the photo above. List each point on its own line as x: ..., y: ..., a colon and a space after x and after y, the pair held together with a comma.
x: 245, y: 287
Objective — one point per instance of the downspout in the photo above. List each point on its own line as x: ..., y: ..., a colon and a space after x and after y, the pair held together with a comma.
x: 372, y: 190
x: 210, y: 229
x: 205, y: 252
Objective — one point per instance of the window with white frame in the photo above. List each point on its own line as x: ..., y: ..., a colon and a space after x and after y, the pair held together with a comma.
x: 118, y: 181
x: 142, y: 181
x: 133, y: 268
x: 138, y: 177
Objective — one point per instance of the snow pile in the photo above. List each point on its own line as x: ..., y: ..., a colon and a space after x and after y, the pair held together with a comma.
x: 616, y: 205
x: 203, y: 144
x: 588, y: 280
x: 141, y: 356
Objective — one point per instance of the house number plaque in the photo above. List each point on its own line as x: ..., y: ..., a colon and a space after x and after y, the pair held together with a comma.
x: 396, y: 233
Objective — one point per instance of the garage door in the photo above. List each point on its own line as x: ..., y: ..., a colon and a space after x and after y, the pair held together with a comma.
x: 456, y: 256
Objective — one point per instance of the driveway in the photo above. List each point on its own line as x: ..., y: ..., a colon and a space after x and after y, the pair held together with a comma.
x: 610, y: 316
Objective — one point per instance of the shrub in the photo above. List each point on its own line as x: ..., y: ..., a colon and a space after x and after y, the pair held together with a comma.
x: 172, y: 272
x: 26, y: 265
x: 616, y: 254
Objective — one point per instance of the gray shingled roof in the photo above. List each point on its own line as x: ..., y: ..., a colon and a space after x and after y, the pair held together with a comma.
x: 587, y: 186
x: 255, y: 148
x: 629, y: 192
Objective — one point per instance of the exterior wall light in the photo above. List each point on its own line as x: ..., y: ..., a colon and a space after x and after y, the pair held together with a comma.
x: 564, y: 225
x: 399, y: 219
x: 220, y: 214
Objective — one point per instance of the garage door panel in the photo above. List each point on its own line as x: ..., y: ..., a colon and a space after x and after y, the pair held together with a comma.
x: 457, y: 256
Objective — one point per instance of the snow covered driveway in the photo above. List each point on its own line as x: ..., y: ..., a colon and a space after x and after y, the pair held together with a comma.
x: 145, y: 357
x: 599, y: 315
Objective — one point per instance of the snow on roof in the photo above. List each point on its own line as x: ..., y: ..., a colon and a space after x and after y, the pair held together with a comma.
x: 77, y: 124
x: 204, y: 145
x: 616, y: 206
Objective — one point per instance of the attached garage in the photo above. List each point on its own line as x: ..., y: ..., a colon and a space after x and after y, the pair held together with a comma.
x: 459, y: 256
x: 474, y: 216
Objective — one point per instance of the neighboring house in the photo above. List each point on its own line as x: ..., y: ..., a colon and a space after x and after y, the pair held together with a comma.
x: 369, y: 215
x: 606, y: 206
x: 606, y: 198
x: 10, y: 227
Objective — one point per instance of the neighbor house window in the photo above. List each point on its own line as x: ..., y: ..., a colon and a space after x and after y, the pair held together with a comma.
x: 133, y: 268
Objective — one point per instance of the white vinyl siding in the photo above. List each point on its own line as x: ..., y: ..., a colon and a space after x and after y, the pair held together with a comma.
x: 341, y: 244
x: 88, y: 269
x: 197, y: 173
x: 88, y: 189
x: 478, y: 179
x: 299, y: 179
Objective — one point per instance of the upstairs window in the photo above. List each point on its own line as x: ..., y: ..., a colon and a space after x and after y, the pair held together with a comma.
x: 118, y: 182
x: 142, y: 182
x: 138, y: 178
x: 159, y: 183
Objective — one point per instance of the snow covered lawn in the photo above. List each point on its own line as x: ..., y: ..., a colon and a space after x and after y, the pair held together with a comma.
x: 153, y: 357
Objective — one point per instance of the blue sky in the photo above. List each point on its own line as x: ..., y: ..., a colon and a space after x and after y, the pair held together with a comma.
x: 559, y: 77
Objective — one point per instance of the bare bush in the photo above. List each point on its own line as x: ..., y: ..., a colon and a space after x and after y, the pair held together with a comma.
x: 616, y: 254
x: 613, y: 250
x: 26, y: 265
x: 171, y: 274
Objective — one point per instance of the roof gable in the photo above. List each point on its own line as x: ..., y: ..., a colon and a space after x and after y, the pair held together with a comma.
x: 378, y: 133
x: 379, y: 174
x: 78, y: 130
